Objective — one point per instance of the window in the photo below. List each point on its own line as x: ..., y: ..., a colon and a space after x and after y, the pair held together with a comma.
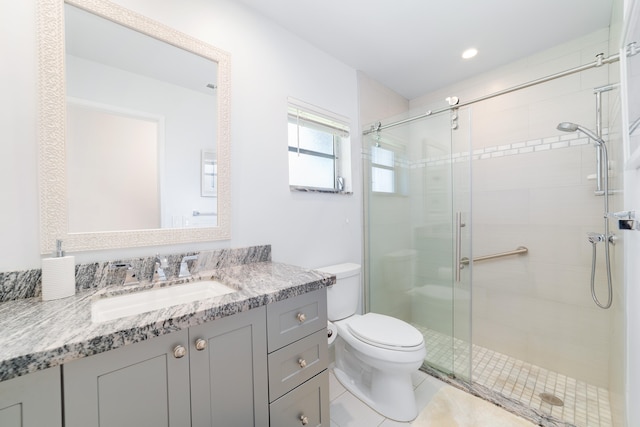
x: 383, y: 174
x: 319, y: 150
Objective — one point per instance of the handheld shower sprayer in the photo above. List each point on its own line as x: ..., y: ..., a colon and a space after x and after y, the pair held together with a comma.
x: 595, y: 238
x: 572, y: 127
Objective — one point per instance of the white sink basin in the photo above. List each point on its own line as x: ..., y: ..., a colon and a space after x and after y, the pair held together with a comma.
x: 110, y: 308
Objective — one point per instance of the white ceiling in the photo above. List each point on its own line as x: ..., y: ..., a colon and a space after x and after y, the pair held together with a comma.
x: 414, y: 46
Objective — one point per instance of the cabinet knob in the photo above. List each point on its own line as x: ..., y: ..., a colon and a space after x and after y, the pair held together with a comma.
x: 179, y: 352
x: 201, y: 344
x: 301, y: 317
x: 304, y: 420
x: 302, y: 363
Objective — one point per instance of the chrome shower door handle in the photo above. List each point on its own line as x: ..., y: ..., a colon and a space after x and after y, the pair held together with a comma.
x: 458, y: 266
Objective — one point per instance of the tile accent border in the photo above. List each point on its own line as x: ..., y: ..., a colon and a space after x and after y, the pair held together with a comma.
x: 564, y: 140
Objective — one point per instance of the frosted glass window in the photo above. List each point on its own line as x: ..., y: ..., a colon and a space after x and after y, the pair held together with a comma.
x: 311, y: 139
x: 310, y: 171
x: 382, y: 156
x: 383, y: 180
x: 383, y: 174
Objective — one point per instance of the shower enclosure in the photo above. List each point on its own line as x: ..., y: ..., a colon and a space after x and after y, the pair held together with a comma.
x: 476, y: 233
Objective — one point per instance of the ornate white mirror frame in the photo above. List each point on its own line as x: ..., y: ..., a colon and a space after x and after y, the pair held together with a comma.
x: 51, y: 128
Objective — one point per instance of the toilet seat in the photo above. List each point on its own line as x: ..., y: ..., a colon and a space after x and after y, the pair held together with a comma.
x: 385, y: 332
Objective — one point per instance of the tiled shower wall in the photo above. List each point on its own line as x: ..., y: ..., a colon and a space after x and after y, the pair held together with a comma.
x: 537, y: 307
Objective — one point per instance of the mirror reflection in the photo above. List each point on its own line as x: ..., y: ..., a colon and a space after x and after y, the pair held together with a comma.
x: 141, y: 113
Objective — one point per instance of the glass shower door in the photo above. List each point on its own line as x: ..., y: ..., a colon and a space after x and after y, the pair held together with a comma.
x: 418, y: 186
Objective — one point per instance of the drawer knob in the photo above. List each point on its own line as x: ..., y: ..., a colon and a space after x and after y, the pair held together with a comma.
x: 302, y: 363
x: 304, y: 420
x: 301, y: 317
x: 201, y: 344
x: 179, y: 352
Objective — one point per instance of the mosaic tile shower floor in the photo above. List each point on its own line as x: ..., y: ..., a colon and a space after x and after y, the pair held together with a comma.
x: 585, y: 405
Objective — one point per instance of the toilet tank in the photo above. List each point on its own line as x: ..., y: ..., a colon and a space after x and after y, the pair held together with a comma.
x: 343, y: 297
x: 398, y: 269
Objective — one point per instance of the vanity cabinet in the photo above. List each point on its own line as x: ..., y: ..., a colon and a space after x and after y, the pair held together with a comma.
x: 32, y: 400
x: 263, y: 367
x: 298, y: 360
x: 213, y: 374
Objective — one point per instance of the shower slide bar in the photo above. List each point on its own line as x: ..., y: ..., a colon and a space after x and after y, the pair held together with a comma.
x: 520, y: 250
x: 600, y: 60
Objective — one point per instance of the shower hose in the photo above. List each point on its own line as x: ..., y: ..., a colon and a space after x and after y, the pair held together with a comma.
x: 593, y: 275
x: 607, y: 238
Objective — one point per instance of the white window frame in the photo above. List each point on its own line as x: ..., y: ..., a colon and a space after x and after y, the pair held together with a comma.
x: 305, y: 115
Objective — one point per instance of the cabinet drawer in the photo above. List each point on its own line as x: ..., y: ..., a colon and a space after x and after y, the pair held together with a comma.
x: 294, y: 364
x: 309, y: 401
x: 295, y: 318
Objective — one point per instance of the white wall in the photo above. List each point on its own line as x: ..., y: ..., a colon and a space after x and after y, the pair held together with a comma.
x: 268, y: 65
x: 187, y: 124
x: 632, y: 239
x: 112, y: 174
x: 632, y: 279
x: 19, y: 151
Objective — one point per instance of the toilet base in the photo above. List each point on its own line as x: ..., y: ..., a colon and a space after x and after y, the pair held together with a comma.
x: 389, y: 394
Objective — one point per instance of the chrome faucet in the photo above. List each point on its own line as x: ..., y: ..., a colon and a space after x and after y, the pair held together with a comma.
x: 130, y: 276
x: 158, y: 269
x: 184, y: 267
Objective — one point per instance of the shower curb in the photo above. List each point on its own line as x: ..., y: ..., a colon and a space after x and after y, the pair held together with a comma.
x: 509, y: 404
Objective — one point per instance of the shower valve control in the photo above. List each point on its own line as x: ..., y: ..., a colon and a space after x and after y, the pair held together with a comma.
x: 626, y: 220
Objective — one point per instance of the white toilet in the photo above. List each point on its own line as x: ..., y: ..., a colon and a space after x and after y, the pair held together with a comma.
x: 375, y: 354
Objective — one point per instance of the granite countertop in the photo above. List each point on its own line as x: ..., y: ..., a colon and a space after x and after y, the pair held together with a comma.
x: 39, y: 334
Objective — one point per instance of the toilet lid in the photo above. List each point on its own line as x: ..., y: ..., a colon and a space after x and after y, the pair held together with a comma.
x: 385, y: 331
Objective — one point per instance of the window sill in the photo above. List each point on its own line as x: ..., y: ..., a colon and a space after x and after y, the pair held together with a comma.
x: 318, y: 190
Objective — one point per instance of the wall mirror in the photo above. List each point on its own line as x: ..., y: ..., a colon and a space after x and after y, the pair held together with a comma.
x: 128, y: 106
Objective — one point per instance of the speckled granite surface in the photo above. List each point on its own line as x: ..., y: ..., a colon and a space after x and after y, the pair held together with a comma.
x: 36, y: 335
x: 16, y: 285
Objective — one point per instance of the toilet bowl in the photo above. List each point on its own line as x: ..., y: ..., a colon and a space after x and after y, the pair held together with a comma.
x: 375, y: 354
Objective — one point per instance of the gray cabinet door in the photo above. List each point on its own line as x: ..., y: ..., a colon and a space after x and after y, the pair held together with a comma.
x: 33, y: 400
x: 229, y: 375
x: 139, y: 385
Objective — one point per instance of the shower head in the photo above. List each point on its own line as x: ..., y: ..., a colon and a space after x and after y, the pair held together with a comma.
x: 567, y: 127
x: 572, y: 127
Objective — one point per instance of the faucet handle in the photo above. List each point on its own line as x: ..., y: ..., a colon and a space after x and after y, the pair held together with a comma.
x: 159, y: 265
x: 163, y: 261
x: 184, y: 267
x: 130, y: 277
x: 158, y: 273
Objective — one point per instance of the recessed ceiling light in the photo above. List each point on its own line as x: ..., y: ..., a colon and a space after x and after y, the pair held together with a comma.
x: 469, y: 53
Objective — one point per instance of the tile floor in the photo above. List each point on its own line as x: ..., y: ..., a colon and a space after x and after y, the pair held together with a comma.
x: 348, y: 411
x: 585, y: 405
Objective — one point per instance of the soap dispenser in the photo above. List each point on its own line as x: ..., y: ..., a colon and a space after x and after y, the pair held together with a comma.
x: 58, y: 275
